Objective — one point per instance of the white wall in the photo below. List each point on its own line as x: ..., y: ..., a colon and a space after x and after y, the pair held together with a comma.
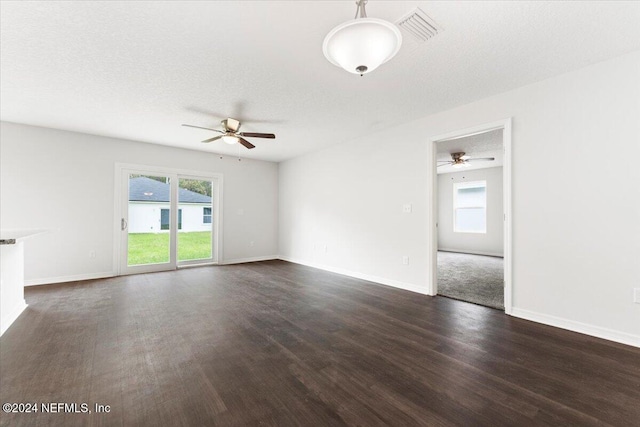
x: 144, y: 217
x: 576, y: 233
x: 65, y: 181
x: 489, y: 243
x: 193, y: 217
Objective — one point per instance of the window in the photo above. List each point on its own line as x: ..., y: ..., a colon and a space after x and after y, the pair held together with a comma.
x: 206, y: 215
x: 470, y: 207
x: 164, y: 219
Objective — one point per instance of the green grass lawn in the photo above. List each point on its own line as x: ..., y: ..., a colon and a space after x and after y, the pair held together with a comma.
x: 153, y: 248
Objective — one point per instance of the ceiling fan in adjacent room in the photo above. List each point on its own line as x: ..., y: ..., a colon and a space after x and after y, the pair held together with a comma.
x: 231, y: 135
x: 461, y: 159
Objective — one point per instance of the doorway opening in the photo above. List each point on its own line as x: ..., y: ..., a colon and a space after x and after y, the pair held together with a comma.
x: 470, y: 219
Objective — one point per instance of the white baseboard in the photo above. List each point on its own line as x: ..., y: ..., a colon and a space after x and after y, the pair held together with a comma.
x: 74, y: 278
x: 381, y: 280
x: 583, y: 328
x: 465, y: 251
x: 103, y: 275
x: 8, y: 320
x: 252, y: 259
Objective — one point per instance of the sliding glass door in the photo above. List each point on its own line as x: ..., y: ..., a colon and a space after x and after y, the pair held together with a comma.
x: 195, y: 220
x: 167, y: 220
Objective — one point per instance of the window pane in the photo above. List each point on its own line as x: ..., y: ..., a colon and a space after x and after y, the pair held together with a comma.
x: 164, y: 219
x: 471, y: 220
x: 471, y: 197
x: 149, y: 197
x: 194, y: 222
x: 206, y: 215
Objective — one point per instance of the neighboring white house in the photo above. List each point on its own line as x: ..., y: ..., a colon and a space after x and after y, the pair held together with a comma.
x: 149, y: 207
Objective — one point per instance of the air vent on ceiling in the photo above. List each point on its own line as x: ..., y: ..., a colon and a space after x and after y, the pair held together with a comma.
x: 419, y: 25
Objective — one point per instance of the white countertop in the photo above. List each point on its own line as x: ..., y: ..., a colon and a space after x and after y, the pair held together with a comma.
x: 9, y: 236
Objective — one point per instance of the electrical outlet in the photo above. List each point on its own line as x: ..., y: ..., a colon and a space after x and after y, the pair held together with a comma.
x: 405, y: 260
x: 92, y: 254
x: 636, y: 295
x: 406, y: 208
x: 325, y: 248
x: 252, y: 243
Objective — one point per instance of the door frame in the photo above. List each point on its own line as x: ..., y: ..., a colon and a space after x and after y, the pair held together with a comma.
x: 432, y: 212
x: 173, y: 173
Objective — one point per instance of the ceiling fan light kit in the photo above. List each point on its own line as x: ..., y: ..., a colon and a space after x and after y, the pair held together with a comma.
x: 362, y: 44
x: 230, y: 139
x: 460, y: 165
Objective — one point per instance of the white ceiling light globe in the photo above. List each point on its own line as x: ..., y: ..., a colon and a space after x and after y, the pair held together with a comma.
x: 230, y: 139
x: 362, y: 45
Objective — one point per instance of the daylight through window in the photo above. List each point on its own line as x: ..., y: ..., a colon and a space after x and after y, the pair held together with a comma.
x: 470, y: 207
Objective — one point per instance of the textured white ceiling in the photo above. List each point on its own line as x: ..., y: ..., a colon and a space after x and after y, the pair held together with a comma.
x: 487, y: 144
x: 137, y: 70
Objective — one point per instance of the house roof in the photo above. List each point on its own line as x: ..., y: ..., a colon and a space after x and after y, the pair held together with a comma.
x: 143, y: 189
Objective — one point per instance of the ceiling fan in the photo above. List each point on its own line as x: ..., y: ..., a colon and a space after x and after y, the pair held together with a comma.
x: 461, y: 159
x: 231, y: 134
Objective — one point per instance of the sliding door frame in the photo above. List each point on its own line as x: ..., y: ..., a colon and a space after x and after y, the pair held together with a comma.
x: 120, y: 268
x: 216, y: 212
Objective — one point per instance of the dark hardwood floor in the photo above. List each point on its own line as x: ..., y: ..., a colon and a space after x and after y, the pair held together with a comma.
x: 279, y: 344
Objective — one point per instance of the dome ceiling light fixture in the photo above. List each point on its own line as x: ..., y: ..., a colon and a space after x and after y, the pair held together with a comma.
x: 362, y: 44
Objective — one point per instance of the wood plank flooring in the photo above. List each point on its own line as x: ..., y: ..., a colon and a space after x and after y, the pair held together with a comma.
x: 279, y: 344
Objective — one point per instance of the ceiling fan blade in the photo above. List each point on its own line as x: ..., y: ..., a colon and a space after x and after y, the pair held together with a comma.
x: 257, y: 135
x: 481, y: 159
x: 213, y: 139
x: 200, y: 127
x: 245, y: 143
x: 445, y: 164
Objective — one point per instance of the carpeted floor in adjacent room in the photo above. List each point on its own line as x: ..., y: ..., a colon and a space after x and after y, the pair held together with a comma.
x: 473, y: 278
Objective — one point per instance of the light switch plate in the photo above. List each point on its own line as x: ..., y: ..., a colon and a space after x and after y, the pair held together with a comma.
x: 406, y: 208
